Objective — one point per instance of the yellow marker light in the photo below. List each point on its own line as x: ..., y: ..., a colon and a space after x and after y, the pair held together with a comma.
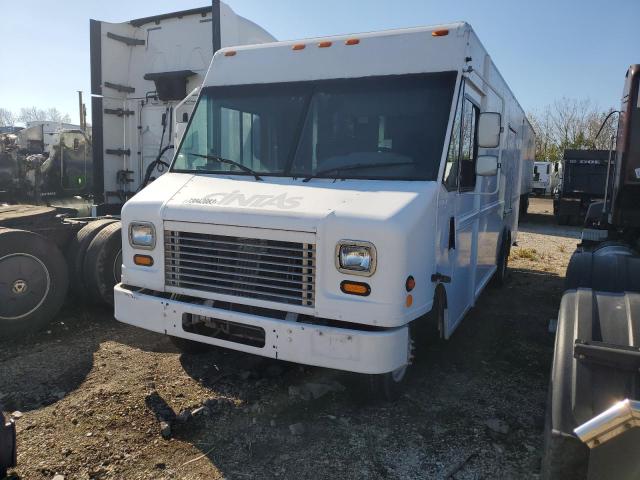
x: 440, y: 33
x: 352, y: 41
x: 143, y: 260
x: 299, y: 46
x: 325, y: 44
x: 230, y: 53
x: 355, y: 288
x: 409, y: 301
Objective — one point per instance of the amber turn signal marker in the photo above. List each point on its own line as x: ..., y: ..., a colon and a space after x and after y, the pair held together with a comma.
x: 411, y: 283
x: 352, y: 41
x: 409, y: 300
x: 325, y: 44
x: 440, y: 33
x: 143, y: 260
x: 230, y: 53
x: 355, y: 288
x: 299, y: 46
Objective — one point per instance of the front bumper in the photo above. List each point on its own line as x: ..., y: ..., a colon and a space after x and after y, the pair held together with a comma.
x: 370, y: 352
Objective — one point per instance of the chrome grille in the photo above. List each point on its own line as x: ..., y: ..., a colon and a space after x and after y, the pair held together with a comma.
x: 244, y: 267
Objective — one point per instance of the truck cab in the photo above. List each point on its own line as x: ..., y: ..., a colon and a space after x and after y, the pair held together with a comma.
x: 322, y: 202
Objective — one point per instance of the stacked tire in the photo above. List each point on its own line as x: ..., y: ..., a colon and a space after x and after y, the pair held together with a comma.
x: 33, y: 282
x: 95, y: 261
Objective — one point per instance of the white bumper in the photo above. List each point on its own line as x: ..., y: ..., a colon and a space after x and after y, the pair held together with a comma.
x: 322, y: 346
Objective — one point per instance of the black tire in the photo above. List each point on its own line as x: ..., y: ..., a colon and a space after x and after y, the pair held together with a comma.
x: 33, y: 282
x: 502, y: 264
x: 389, y: 386
x: 77, y: 251
x: 103, y: 264
x: 524, y: 206
x: 190, y: 347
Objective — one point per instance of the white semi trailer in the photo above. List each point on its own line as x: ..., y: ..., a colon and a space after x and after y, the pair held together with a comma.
x: 141, y: 70
x: 328, y: 194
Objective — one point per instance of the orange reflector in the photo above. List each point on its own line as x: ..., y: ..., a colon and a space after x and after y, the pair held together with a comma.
x: 355, y: 288
x: 352, y: 41
x: 230, y: 53
x: 411, y: 283
x: 409, y: 300
x: 299, y: 46
x: 325, y: 44
x: 440, y: 33
x: 143, y: 260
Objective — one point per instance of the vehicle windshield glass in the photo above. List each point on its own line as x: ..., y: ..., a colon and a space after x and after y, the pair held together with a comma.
x: 375, y: 127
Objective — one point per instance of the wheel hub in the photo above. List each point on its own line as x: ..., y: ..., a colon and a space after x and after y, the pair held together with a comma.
x: 24, y: 285
x: 20, y: 287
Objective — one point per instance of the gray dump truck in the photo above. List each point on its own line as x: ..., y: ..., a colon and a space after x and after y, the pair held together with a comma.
x: 593, y: 412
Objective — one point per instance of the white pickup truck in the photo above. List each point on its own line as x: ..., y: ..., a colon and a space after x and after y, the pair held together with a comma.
x: 327, y: 195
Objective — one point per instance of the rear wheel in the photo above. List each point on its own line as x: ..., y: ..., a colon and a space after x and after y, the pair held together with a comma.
x: 77, y: 251
x: 500, y: 276
x: 33, y: 282
x: 103, y: 263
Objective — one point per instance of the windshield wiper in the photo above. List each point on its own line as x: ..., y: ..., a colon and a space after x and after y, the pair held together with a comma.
x: 229, y: 162
x: 354, y: 166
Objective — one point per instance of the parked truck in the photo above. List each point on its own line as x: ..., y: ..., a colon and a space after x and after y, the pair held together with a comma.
x: 318, y: 209
x: 142, y: 73
x: 593, y: 413
x: 584, y: 174
x: 545, y: 177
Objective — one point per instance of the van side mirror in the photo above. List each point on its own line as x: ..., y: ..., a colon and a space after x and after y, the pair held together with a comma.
x: 489, y: 128
x: 487, y: 166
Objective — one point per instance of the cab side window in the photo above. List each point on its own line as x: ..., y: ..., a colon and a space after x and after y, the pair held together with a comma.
x: 469, y: 148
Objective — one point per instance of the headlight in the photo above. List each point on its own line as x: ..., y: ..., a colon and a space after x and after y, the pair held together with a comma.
x: 142, y: 235
x: 357, y: 258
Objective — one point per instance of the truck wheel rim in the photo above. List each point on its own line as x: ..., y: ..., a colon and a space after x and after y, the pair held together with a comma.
x: 24, y: 285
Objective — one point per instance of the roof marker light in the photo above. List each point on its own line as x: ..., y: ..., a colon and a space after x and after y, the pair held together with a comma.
x: 352, y: 41
x: 440, y: 33
x: 325, y: 44
x: 299, y: 46
x: 230, y: 53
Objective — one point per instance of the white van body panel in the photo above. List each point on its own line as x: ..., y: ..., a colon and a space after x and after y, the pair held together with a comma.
x: 446, y: 239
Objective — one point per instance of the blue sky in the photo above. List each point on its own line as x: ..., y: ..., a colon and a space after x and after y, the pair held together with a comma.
x: 545, y: 49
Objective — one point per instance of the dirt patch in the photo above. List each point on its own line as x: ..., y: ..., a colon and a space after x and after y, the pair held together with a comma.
x: 94, y: 394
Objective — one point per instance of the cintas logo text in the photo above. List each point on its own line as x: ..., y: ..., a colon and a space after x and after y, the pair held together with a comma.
x: 236, y: 198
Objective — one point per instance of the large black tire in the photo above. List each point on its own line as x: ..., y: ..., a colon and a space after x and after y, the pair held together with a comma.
x: 103, y: 264
x: 77, y: 251
x: 190, y: 347
x: 502, y: 262
x: 33, y: 282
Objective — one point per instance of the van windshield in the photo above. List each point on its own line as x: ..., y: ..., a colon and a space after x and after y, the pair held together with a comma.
x: 390, y: 127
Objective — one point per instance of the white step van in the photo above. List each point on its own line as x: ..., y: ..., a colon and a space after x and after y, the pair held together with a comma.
x: 329, y: 194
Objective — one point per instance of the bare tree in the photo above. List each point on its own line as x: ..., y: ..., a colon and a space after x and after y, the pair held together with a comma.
x: 35, y: 114
x: 7, y: 118
x: 570, y: 124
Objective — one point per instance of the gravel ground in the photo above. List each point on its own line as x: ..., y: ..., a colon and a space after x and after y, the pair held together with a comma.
x: 94, y: 393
